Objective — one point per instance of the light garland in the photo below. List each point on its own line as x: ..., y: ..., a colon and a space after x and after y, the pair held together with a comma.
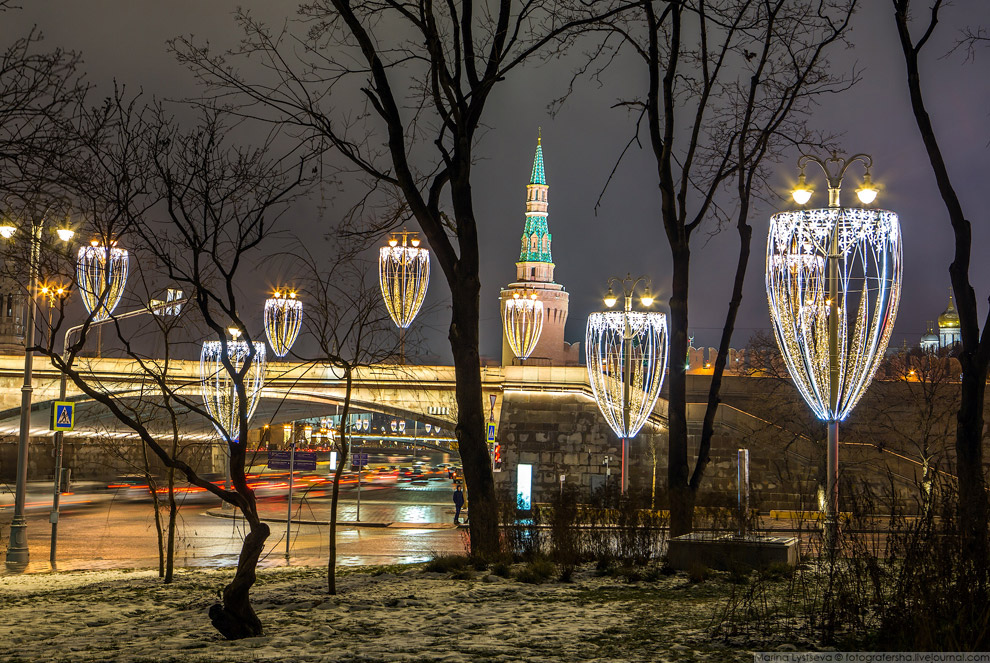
x: 869, y: 257
x: 219, y: 392
x: 283, y: 319
x: 605, y: 338
x: 522, y: 318
x: 404, y: 276
x: 102, y: 275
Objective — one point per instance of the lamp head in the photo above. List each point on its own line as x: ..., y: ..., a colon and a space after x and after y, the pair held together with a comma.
x: 647, y: 298
x: 65, y: 234
x: 7, y: 230
x: 393, y: 242
x: 801, y: 193
x: 234, y: 332
x: 414, y: 241
x: 867, y: 193
x: 610, y: 298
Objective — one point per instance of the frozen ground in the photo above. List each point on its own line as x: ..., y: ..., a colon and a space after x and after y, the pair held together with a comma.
x: 388, y: 614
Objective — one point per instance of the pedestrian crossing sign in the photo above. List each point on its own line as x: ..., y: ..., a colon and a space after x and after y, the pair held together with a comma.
x: 63, y: 415
x: 491, y: 431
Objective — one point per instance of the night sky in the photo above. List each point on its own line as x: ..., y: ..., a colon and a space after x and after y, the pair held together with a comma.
x: 125, y: 40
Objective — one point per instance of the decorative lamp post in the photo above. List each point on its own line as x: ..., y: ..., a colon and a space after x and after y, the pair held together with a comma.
x: 17, y: 549
x: 833, y: 281
x: 219, y: 392
x: 627, y: 360
x: 522, y: 318
x: 102, y: 275
x: 404, y: 276
x: 283, y: 319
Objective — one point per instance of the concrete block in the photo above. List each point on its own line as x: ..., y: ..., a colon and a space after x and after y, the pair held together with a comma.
x: 727, y: 551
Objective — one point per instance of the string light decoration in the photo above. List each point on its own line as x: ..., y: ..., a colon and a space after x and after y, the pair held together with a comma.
x: 283, y: 320
x: 868, y: 255
x: 833, y: 279
x: 219, y: 392
x: 101, y: 271
x: 522, y: 318
x: 645, y: 336
x: 404, y: 275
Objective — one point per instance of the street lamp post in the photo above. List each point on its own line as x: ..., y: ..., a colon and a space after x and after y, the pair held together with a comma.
x: 627, y: 358
x: 833, y: 283
x: 17, y: 550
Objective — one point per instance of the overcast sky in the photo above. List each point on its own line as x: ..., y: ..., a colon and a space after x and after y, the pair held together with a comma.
x: 125, y: 39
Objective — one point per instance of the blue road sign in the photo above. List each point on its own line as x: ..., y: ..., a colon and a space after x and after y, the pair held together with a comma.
x: 359, y: 460
x: 305, y: 461
x: 63, y: 415
x: 491, y: 432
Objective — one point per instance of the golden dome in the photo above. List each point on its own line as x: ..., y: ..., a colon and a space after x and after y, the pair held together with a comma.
x: 950, y: 317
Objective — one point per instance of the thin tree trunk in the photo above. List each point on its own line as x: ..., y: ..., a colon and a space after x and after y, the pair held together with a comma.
x: 173, y: 511
x: 235, y: 618
x: 343, y: 449
x: 156, y: 505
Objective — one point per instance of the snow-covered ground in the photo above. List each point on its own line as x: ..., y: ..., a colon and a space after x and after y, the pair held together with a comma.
x: 404, y: 614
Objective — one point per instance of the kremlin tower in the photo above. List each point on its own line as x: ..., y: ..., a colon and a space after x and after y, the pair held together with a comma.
x: 534, y: 276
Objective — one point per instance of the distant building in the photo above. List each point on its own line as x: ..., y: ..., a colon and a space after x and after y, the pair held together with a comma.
x: 948, y: 335
x: 12, y: 299
x: 534, y: 276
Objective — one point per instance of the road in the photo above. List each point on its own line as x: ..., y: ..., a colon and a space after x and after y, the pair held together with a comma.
x: 411, y: 523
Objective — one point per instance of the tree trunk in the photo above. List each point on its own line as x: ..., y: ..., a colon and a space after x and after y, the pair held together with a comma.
x: 235, y: 617
x: 471, y: 439
x: 156, y: 505
x: 343, y: 449
x: 969, y: 464
x: 173, y: 512
x: 681, y: 495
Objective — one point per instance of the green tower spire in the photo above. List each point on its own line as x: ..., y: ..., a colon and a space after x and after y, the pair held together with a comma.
x: 536, y: 234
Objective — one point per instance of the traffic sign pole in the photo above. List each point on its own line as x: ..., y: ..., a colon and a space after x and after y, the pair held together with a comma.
x: 359, y: 494
x: 288, y: 516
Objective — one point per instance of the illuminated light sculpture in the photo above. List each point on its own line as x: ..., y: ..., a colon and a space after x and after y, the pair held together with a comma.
x: 283, y: 319
x: 522, y: 318
x: 102, y: 275
x: 833, y: 280
x: 219, y: 392
x: 626, y: 354
x: 404, y: 276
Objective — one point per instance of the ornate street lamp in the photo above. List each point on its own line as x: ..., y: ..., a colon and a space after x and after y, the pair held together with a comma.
x: 219, y: 392
x: 833, y: 280
x: 102, y: 275
x: 522, y: 318
x: 283, y: 319
x: 17, y: 549
x: 627, y: 359
x: 404, y: 276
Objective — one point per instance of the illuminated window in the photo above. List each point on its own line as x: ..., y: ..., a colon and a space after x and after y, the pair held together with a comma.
x: 524, y: 487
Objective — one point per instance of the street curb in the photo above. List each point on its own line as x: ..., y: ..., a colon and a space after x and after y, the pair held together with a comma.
x: 343, y: 523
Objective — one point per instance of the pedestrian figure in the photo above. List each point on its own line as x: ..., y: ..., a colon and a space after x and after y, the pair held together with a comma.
x: 458, y: 503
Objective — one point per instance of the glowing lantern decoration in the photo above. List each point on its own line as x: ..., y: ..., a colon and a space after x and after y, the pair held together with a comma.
x: 102, y: 275
x: 283, y: 319
x: 219, y: 392
x: 522, y: 318
x: 404, y: 276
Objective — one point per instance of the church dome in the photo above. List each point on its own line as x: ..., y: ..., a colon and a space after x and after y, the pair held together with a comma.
x: 950, y: 317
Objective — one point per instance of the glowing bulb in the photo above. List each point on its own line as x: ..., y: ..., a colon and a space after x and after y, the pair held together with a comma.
x: 65, y: 234
x: 647, y: 298
x: 515, y: 295
x: 610, y: 298
x: 393, y: 242
x: 414, y: 241
x: 234, y: 332
x: 801, y: 193
x: 867, y: 193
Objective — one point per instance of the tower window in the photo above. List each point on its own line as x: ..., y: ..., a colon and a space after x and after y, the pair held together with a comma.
x: 532, y: 272
x: 534, y: 242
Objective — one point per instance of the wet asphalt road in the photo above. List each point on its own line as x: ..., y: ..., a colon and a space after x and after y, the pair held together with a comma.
x: 402, y: 523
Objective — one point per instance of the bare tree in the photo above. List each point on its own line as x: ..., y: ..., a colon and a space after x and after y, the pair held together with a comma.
x: 729, y: 86
x: 398, y: 91
x: 197, y: 210
x: 974, y: 355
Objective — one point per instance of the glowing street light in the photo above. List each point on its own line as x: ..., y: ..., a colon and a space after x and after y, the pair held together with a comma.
x: 404, y: 276
x: 626, y: 354
x: 283, y: 319
x: 833, y: 280
x: 522, y: 318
